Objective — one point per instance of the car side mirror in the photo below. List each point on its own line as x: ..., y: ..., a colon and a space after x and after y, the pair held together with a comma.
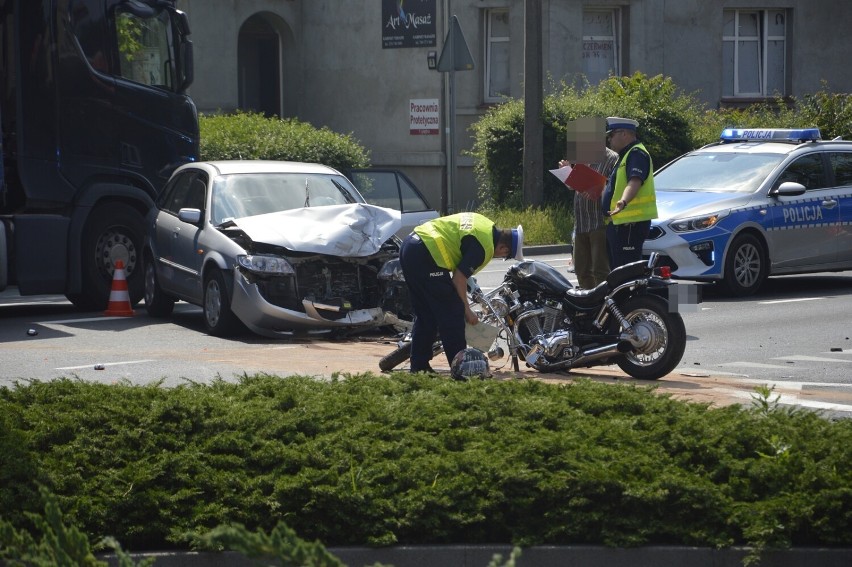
x: 788, y: 189
x: 191, y: 216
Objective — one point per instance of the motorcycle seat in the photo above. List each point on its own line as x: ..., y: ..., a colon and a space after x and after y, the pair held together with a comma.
x: 585, y: 299
x: 627, y: 272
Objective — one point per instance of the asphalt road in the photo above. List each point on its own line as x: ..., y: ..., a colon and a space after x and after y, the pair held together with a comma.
x: 797, y: 328
x: 794, y: 337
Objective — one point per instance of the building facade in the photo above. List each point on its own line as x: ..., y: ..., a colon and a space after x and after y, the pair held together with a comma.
x: 362, y: 67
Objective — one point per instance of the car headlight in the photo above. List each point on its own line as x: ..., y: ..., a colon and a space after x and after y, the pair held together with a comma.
x: 263, y: 264
x: 391, y: 271
x: 697, y: 223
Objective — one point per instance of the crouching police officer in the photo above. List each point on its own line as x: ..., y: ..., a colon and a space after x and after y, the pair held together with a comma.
x: 437, y: 259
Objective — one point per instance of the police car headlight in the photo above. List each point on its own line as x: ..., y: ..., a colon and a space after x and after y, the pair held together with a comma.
x: 697, y: 223
x: 263, y: 264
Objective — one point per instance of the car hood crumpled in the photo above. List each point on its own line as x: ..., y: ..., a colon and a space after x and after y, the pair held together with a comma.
x: 355, y: 230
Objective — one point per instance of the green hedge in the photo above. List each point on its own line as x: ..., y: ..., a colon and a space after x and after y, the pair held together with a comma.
x: 665, y: 115
x: 377, y: 460
x: 671, y: 122
x: 248, y: 135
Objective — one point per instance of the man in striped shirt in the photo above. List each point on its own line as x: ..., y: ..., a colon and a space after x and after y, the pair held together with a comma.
x: 591, y: 258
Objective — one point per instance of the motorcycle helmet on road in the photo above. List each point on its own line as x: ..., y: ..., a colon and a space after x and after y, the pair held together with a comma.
x: 470, y: 363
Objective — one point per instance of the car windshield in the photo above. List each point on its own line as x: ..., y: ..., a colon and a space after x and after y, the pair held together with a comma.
x: 247, y: 195
x: 724, y: 172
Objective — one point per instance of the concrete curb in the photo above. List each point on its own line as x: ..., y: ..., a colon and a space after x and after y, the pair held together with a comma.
x: 540, y: 556
x: 545, y: 249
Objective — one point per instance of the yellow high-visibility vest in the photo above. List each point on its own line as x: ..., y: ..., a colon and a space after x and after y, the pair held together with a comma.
x: 644, y: 204
x: 443, y: 236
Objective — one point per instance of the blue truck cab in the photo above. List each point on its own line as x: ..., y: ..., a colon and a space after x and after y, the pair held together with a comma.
x: 94, y: 117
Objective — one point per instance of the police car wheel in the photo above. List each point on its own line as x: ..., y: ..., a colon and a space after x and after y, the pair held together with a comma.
x: 745, y: 266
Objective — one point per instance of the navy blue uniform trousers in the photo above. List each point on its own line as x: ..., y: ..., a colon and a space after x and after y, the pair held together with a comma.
x: 625, y: 241
x: 438, y: 309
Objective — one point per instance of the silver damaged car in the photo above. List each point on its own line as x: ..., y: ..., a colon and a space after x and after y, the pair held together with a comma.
x: 277, y: 247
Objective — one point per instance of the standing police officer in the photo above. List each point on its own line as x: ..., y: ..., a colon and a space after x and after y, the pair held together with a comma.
x: 437, y: 259
x: 631, y: 188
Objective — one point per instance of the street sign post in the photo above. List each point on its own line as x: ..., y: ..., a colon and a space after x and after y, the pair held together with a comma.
x: 455, y: 56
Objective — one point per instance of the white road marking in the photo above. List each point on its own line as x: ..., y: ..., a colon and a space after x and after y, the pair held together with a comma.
x: 92, y: 365
x: 752, y: 365
x: 694, y: 373
x: 82, y: 320
x: 775, y: 301
x: 786, y: 398
x: 803, y: 358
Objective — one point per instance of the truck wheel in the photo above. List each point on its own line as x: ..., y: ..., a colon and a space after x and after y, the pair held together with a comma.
x: 113, y: 232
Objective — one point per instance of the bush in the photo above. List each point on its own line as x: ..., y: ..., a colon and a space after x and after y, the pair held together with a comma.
x: 665, y: 114
x: 551, y: 225
x: 249, y: 135
x: 830, y: 112
x: 423, y: 460
x: 671, y: 123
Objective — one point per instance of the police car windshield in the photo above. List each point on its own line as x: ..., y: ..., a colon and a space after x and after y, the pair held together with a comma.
x: 723, y: 172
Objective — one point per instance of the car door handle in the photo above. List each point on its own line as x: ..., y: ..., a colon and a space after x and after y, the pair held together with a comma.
x: 829, y: 203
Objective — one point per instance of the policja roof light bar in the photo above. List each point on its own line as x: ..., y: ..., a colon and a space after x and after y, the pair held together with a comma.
x: 770, y: 134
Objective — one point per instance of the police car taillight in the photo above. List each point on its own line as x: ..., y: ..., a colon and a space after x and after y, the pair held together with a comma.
x: 770, y: 134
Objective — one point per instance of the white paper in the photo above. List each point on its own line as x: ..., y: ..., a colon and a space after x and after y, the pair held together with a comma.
x: 562, y: 173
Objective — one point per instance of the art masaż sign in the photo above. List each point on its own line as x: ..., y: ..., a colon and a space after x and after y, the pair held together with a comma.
x: 408, y: 23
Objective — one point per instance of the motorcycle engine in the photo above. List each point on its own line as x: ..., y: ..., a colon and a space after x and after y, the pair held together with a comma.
x: 545, y: 330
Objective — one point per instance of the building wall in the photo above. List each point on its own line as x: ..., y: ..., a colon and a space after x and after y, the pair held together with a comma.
x: 334, y: 72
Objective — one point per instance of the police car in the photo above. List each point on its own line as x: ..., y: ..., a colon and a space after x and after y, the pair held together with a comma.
x: 758, y: 202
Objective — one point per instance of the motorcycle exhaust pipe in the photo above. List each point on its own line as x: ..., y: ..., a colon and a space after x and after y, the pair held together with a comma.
x: 592, y: 355
x: 596, y: 354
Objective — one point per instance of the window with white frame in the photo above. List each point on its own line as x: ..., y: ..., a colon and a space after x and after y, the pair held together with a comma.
x: 496, y: 55
x: 600, y: 44
x: 754, y: 46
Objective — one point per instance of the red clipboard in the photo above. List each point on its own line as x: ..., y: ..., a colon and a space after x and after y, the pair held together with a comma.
x: 586, y: 180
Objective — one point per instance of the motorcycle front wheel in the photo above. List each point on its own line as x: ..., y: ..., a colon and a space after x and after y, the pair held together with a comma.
x: 395, y: 357
x: 661, y: 334
x: 403, y: 353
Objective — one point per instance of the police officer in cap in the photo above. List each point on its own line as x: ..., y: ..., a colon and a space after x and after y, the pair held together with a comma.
x: 629, y: 197
x: 437, y: 259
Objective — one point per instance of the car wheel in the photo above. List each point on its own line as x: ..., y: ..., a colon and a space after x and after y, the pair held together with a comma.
x: 219, y: 320
x: 745, y: 266
x: 157, y: 302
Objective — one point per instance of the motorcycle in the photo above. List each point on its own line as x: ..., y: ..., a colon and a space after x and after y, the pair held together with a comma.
x: 545, y: 321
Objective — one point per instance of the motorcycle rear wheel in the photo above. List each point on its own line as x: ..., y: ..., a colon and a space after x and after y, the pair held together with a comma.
x: 663, y: 336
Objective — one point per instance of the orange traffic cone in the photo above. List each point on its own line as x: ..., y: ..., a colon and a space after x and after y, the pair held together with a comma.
x: 119, y: 297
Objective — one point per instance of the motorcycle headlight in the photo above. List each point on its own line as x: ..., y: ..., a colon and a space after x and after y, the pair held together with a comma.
x: 392, y: 271
x: 697, y: 223
x: 264, y: 264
